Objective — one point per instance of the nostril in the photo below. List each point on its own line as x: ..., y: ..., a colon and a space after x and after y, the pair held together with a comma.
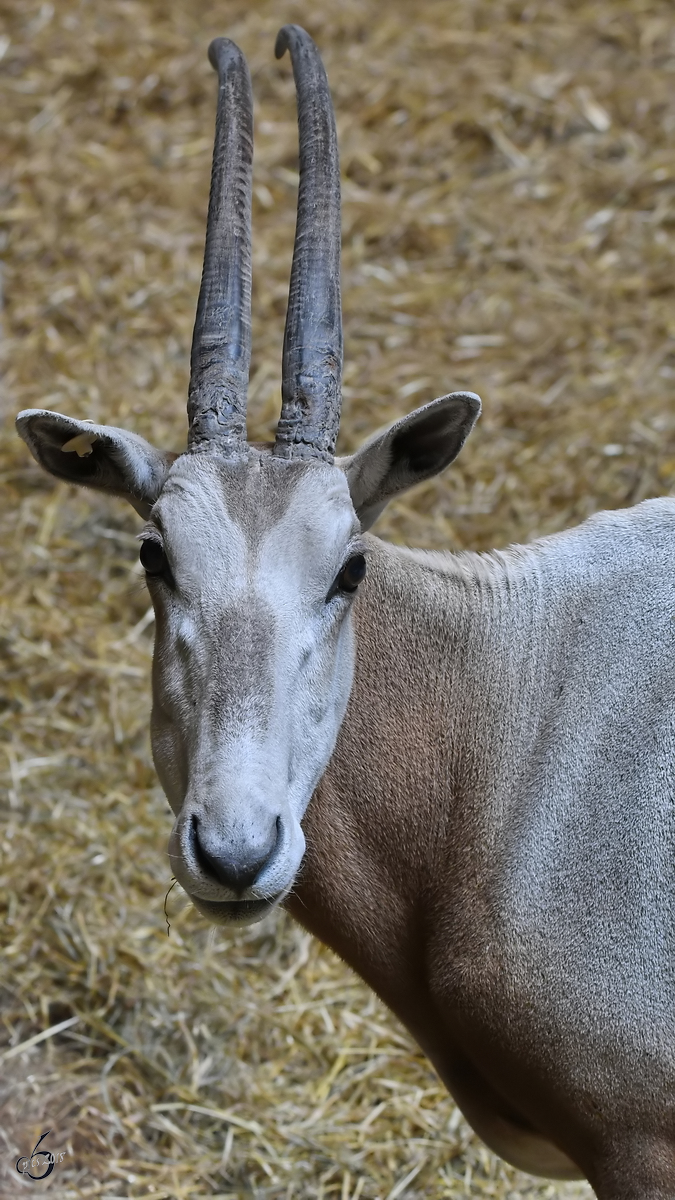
x: 237, y: 871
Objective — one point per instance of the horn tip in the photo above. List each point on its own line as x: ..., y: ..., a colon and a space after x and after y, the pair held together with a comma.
x: 285, y: 38
x: 281, y: 44
x: 220, y: 50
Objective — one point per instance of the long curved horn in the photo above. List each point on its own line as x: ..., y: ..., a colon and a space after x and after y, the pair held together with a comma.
x: 221, y: 342
x: 311, y: 393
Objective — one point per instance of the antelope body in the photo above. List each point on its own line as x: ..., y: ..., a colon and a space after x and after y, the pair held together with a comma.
x: 456, y: 771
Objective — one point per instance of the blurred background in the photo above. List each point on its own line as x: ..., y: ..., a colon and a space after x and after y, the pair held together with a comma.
x: 509, y: 227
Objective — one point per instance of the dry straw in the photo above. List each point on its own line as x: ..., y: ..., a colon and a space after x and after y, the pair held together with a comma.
x: 508, y: 226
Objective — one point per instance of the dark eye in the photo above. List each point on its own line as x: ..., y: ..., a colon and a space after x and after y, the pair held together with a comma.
x: 152, y: 557
x: 350, y: 576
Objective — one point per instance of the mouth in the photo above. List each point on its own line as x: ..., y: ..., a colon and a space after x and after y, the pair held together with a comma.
x: 233, y: 912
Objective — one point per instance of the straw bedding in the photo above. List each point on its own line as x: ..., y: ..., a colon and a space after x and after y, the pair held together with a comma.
x: 508, y: 227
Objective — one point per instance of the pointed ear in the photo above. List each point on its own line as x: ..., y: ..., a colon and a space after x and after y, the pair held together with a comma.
x: 409, y: 451
x: 96, y: 456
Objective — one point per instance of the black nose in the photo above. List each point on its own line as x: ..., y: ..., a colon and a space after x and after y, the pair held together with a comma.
x: 236, y: 873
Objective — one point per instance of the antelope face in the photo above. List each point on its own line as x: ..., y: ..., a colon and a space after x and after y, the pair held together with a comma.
x: 252, y: 568
x: 253, y: 556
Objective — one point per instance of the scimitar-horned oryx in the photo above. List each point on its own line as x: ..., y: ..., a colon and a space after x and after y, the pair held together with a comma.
x: 457, y: 770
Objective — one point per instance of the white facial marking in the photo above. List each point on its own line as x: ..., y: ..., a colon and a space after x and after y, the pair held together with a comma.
x: 253, y: 667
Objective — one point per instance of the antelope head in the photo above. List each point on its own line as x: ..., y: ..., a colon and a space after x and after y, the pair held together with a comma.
x: 253, y: 554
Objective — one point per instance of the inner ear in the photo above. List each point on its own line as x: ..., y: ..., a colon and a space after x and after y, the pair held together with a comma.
x: 102, y: 457
x: 408, y: 452
x: 427, y: 443
x: 89, y: 468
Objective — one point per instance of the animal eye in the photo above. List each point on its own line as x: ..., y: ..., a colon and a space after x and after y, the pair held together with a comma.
x: 152, y: 557
x: 351, y: 574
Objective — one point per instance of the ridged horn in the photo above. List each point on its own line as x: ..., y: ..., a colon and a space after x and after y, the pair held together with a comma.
x: 311, y: 388
x: 221, y: 342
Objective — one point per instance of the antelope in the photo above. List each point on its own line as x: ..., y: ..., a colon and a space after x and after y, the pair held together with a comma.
x: 457, y: 770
